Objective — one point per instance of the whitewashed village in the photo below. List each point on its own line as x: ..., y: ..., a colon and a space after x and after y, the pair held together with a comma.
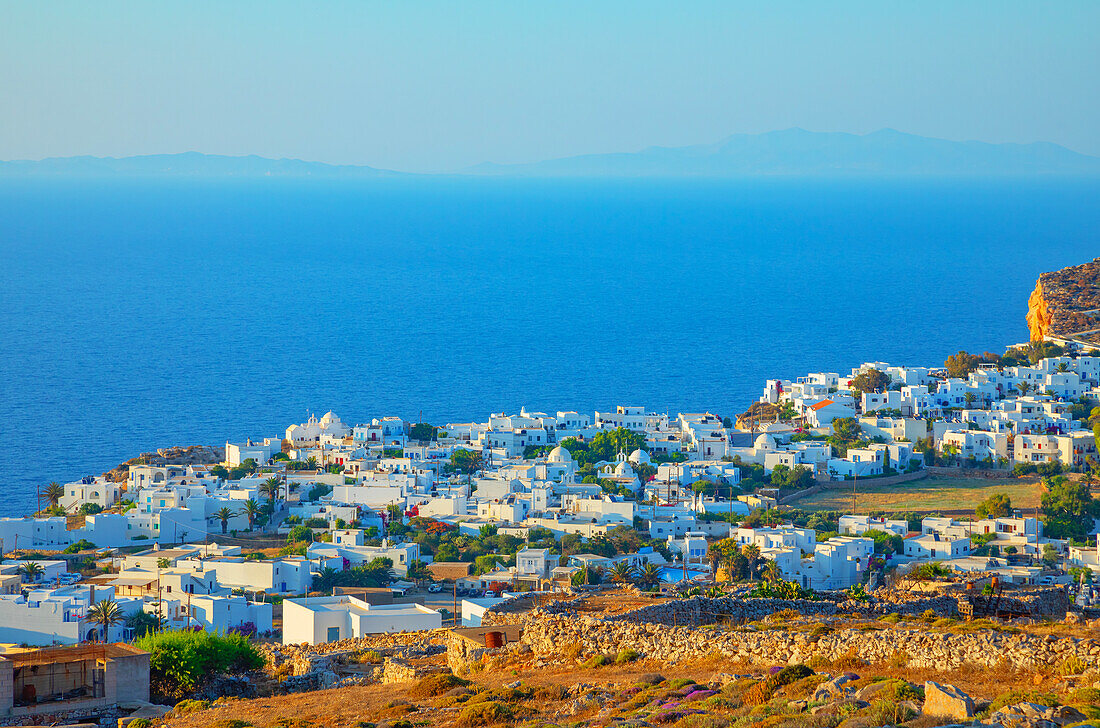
x: 534, y: 502
x: 832, y: 526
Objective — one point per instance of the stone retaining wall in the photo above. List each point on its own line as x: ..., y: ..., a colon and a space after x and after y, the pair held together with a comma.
x: 549, y: 634
x: 699, y: 611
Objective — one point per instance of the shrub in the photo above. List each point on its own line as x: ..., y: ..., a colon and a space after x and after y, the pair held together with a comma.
x: 231, y: 723
x: 891, y: 618
x: 179, y: 660
x: 626, y: 656
x: 900, y: 658
x: 678, y: 683
x: 434, y: 685
x: 1072, y: 665
x: 886, y: 712
x: 140, y: 723
x: 488, y: 713
x: 370, y: 657
x: 651, y: 678
x: 598, y: 661
x: 1023, y: 696
x: 185, y: 707
x: 1086, y: 696
x: 702, y: 721
x: 762, y: 691
x: 849, y: 660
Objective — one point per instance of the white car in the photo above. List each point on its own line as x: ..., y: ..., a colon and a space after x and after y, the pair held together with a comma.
x: 435, y: 588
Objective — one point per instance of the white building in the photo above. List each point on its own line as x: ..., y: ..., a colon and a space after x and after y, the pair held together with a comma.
x: 329, y: 619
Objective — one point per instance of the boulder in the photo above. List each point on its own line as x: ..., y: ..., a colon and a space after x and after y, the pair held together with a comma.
x: 947, y: 701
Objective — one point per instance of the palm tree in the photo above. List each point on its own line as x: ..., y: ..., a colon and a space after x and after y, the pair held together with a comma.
x: 105, y: 614
x: 325, y: 579
x: 649, y: 575
x: 53, y: 493
x: 622, y: 572
x: 969, y: 398
x: 270, y: 488
x: 771, y: 572
x: 1062, y: 367
x: 251, y: 509
x: 1024, y: 387
x: 223, y: 515
x: 31, y: 570
x: 311, y: 463
x: 751, y: 552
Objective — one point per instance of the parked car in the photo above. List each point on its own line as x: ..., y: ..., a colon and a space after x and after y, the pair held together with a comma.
x: 435, y: 588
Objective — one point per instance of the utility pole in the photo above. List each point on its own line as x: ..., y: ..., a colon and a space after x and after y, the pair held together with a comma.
x: 855, y: 479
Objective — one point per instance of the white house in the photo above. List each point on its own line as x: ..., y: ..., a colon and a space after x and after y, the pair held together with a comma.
x: 850, y: 525
x: 933, y: 546
x: 329, y: 619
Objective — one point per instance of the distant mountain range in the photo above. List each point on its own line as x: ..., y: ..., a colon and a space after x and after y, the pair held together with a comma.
x: 187, y: 164
x: 791, y: 152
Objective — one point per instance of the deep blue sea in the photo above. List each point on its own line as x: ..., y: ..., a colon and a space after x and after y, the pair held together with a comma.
x: 141, y: 313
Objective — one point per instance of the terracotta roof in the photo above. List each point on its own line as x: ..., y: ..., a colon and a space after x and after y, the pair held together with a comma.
x: 822, y: 403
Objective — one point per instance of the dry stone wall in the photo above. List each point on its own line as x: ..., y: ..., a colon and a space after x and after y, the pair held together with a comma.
x: 551, y: 634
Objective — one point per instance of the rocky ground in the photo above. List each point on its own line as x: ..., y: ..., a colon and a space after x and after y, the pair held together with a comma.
x: 518, y: 688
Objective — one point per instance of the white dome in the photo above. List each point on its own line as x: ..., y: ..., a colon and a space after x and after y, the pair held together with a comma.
x: 559, y: 455
x: 329, y: 418
x: 764, y: 442
x: 640, y: 457
x: 623, y: 469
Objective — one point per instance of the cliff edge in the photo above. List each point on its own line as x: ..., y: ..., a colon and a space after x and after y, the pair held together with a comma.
x: 1066, y: 304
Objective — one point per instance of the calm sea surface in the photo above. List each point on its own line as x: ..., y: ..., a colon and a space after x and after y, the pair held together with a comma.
x: 140, y: 314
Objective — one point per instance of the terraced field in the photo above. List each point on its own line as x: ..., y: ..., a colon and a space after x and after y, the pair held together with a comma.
x: 949, y: 496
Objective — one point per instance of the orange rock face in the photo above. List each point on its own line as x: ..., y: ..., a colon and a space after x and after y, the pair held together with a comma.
x: 1066, y: 304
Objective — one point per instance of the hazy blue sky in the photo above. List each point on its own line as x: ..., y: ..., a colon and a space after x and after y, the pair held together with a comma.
x: 431, y: 85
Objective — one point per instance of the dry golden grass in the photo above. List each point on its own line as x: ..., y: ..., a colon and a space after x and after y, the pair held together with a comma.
x: 349, y: 707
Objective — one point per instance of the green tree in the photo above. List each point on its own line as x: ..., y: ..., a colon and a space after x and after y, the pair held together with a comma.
x: 31, y: 571
x: 1067, y: 507
x: 751, y: 552
x: 325, y: 579
x: 251, y: 509
x: 846, y: 429
x: 270, y: 488
x: 54, y: 493
x: 997, y: 505
x: 960, y: 365
x: 299, y: 533
x: 422, y: 432
x: 649, y: 576
x: 466, y: 461
x: 105, y: 614
x: 142, y: 623
x: 1024, y: 387
x: 311, y: 463
x: 606, y: 444
x: 223, y: 514
x: 871, y: 380
x: 885, y: 543
x: 418, y: 571
x: 622, y: 572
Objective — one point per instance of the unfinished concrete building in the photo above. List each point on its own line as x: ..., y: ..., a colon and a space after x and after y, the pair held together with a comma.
x: 64, y: 679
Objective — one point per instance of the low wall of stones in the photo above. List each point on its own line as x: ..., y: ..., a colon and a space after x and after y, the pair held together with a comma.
x: 551, y: 634
x: 699, y: 611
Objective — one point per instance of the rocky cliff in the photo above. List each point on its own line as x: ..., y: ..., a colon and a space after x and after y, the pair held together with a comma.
x: 1066, y: 304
